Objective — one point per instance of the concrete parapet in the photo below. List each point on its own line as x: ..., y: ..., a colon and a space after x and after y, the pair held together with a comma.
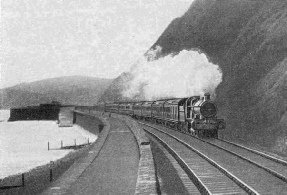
x: 146, y: 182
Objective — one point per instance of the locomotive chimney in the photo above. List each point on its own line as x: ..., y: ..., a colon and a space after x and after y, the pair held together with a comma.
x: 206, y: 96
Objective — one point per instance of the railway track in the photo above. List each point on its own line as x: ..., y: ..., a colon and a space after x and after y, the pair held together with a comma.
x: 273, y: 158
x: 171, y: 178
x: 252, y: 171
x: 207, y: 175
x: 274, y: 166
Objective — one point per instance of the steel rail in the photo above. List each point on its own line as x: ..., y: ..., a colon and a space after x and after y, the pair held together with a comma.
x: 240, y: 183
x: 197, y: 181
x: 278, y: 175
x: 280, y: 161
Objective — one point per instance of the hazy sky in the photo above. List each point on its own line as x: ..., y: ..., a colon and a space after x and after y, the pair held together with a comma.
x: 50, y: 38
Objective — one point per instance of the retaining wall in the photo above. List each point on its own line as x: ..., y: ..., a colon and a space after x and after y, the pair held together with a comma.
x: 89, y: 122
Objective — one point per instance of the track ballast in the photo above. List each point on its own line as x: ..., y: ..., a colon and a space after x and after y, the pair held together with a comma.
x: 247, y: 170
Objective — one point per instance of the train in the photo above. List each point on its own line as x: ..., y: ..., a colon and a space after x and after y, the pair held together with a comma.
x: 193, y: 115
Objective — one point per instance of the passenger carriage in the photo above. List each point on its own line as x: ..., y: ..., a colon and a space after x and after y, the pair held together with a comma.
x: 157, y: 111
x: 137, y: 108
x: 126, y: 108
x: 146, y: 110
x: 112, y: 107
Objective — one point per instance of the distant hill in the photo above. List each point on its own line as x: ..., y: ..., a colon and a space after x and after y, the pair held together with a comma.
x: 80, y: 90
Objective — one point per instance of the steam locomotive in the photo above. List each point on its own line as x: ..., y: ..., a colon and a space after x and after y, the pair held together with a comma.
x: 193, y: 115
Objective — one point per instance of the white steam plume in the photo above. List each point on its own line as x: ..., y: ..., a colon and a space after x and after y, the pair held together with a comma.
x: 187, y: 74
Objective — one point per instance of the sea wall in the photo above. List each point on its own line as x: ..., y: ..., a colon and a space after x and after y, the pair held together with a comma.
x: 89, y: 122
x: 34, y: 113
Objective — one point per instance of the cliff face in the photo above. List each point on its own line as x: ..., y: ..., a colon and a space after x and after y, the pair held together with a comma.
x: 248, y: 40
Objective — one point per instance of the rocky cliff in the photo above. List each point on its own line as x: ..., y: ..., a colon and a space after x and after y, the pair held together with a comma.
x: 247, y: 39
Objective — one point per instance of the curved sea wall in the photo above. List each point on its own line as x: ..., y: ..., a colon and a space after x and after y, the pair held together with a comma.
x: 88, y: 122
x: 38, y: 179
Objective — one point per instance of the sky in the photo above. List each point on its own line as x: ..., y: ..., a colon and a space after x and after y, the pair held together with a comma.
x: 101, y: 38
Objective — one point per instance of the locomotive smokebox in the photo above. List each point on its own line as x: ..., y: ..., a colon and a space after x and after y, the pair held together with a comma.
x: 205, y: 107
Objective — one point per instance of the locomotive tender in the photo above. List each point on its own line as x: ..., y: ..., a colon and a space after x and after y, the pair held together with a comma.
x: 193, y: 115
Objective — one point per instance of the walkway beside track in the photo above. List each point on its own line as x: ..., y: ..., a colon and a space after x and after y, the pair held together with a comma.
x: 113, y: 171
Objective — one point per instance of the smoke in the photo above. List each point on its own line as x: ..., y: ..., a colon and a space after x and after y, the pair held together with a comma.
x: 187, y: 74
